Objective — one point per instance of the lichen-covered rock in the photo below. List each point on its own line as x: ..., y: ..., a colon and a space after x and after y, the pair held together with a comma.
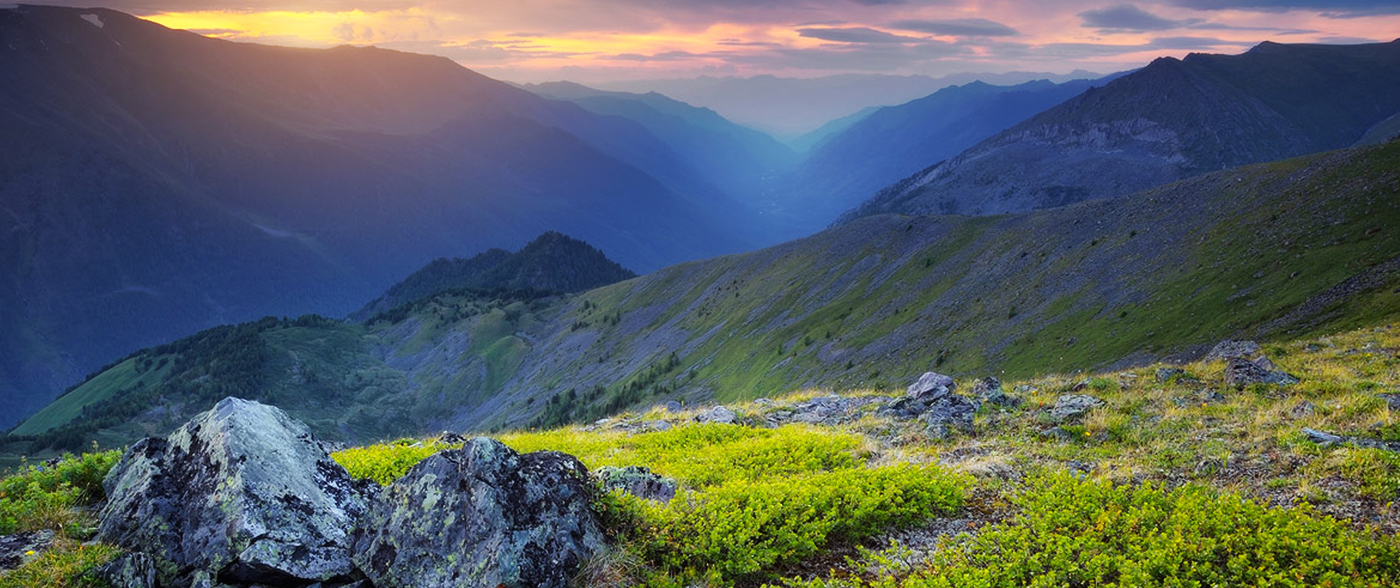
x: 719, y: 414
x: 1073, y: 406
x: 1166, y: 375
x: 1233, y: 349
x: 17, y: 549
x: 930, y: 384
x: 241, y: 493
x: 129, y: 570
x: 481, y: 516
x: 1240, y: 373
x: 638, y: 481
x: 989, y: 390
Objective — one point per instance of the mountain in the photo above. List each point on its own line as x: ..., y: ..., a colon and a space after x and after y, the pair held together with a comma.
x: 552, y: 263
x: 892, y: 142
x: 1170, y: 120
x: 154, y: 182
x: 734, y: 158
x: 790, y: 107
x: 1268, y: 251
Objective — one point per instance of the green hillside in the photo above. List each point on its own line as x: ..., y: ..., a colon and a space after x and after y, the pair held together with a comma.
x: 1273, y: 251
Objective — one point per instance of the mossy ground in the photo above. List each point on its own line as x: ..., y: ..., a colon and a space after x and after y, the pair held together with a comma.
x: 1178, y: 482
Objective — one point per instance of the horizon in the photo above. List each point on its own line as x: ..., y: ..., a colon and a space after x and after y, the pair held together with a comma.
x: 620, y: 41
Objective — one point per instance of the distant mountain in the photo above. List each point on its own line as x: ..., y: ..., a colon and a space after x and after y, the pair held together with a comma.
x: 1170, y: 120
x: 732, y: 157
x: 892, y: 142
x: 791, y: 107
x: 552, y: 263
x: 154, y: 182
x: 1268, y: 251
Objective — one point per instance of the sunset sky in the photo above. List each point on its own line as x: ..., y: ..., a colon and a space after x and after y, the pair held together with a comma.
x: 608, y: 40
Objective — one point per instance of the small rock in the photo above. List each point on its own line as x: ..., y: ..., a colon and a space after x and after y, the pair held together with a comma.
x: 20, y: 548
x: 447, y: 438
x: 990, y: 391
x: 1240, y: 373
x: 930, y: 385
x: 673, y: 406
x: 1301, y: 410
x: 480, y: 517
x: 1265, y: 363
x: 638, y: 481
x: 1233, y: 349
x: 719, y: 414
x: 1392, y: 400
x: 1166, y: 375
x: 1057, y: 432
x: 1073, y: 406
x: 1080, y: 386
x: 659, y: 425
x: 129, y: 570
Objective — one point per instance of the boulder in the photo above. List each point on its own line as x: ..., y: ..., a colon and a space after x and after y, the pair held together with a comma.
x: 129, y: 570
x: 718, y: 414
x: 18, y: 549
x: 947, y: 414
x: 1241, y: 372
x: 1073, y: 406
x: 1166, y: 375
x: 241, y: 493
x: 1233, y: 349
x: 930, y: 385
x: 989, y: 390
x: 638, y: 481
x: 481, y: 516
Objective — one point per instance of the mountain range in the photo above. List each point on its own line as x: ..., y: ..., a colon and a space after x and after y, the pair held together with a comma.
x: 1274, y: 250
x: 1170, y: 120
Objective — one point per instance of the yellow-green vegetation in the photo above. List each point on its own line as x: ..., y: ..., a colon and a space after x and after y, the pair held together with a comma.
x: 386, y: 462
x: 48, y: 496
x: 752, y: 500
x: 68, y: 564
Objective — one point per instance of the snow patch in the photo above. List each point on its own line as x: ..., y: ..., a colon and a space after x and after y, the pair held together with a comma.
x: 94, y: 19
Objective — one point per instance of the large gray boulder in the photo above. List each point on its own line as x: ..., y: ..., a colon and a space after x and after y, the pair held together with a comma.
x: 241, y: 493
x: 481, y: 516
x: 1241, y: 372
x: 931, y: 400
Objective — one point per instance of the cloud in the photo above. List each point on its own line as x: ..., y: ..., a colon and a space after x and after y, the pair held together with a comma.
x: 957, y: 27
x: 856, y: 35
x: 1332, y: 8
x: 1127, y: 17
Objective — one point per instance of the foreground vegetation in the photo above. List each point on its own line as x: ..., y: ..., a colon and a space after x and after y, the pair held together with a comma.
x: 1176, y: 480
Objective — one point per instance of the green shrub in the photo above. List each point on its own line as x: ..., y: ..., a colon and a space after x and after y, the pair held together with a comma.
x: 1075, y: 533
x: 46, y: 496
x: 386, y: 462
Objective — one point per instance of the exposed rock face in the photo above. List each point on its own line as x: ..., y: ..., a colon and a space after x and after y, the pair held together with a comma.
x: 129, y: 570
x: 482, y: 516
x: 638, y: 481
x: 14, y: 547
x: 718, y: 414
x: 241, y: 493
x: 1073, y: 406
x: 1241, y: 372
x: 1233, y: 349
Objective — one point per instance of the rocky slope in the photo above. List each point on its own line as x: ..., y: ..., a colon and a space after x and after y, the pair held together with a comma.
x: 1170, y: 120
x: 1264, y: 251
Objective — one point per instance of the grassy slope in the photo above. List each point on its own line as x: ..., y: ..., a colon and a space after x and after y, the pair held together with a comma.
x: 869, y: 304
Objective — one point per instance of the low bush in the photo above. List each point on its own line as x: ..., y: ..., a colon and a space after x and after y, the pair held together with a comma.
x: 46, y: 496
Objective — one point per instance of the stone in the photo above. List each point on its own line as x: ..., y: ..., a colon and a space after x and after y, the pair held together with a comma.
x: 638, y: 481
x: 482, y: 516
x: 719, y: 414
x: 673, y: 406
x: 129, y: 570
x: 1057, y: 432
x: 1301, y: 410
x: 1166, y: 375
x: 242, y: 494
x: 1233, y: 349
x: 989, y: 390
x: 1392, y: 400
x: 1241, y: 372
x: 18, y: 549
x: 1073, y: 406
x: 932, y: 385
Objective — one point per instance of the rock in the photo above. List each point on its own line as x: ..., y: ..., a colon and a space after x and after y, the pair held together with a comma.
x: 673, y: 406
x: 447, y: 438
x: 638, y: 481
x: 241, y: 493
x: 20, y: 548
x: 1233, y: 349
x: 1057, y: 432
x: 1240, y: 373
x: 989, y: 390
x: 947, y: 414
x: 1266, y: 363
x: 719, y: 414
x: 481, y: 516
x: 1166, y: 375
x: 1323, y: 438
x: 1301, y: 410
x: 1391, y: 400
x: 129, y: 570
x: 1073, y: 406
x: 930, y: 385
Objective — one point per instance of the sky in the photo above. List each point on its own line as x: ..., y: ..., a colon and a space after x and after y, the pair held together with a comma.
x: 594, y: 41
